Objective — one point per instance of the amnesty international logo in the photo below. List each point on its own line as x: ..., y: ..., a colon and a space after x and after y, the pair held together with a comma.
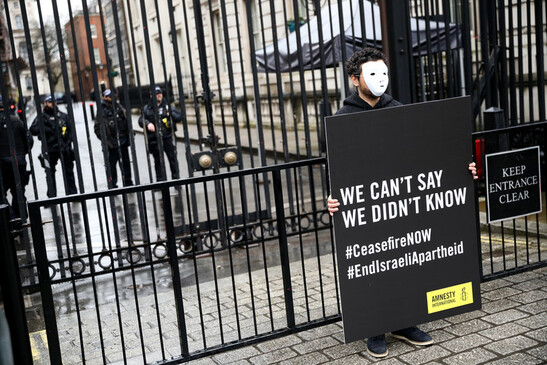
x: 450, y: 297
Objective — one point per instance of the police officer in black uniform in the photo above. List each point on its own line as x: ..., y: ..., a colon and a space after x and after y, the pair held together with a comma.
x: 8, y: 157
x: 58, y: 134
x: 162, y: 125
x: 117, y: 138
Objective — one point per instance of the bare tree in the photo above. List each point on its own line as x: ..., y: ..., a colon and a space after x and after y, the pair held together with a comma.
x: 46, y: 52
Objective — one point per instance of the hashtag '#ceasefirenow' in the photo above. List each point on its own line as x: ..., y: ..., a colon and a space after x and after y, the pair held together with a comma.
x: 348, y: 252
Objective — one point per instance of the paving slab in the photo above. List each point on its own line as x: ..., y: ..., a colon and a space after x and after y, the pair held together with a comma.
x: 511, y: 329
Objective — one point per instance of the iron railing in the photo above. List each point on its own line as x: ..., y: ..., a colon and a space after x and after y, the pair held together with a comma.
x: 276, y: 280
x: 511, y: 246
x: 222, y: 64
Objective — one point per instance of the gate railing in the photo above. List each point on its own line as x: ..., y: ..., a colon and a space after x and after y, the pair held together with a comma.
x: 116, y: 291
x: 511, y: 246
x: 263, y: 118
x: 128, y: 295
x: 259, y: 114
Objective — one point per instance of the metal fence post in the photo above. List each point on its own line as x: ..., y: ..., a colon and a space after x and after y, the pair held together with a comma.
x: 45, y: 283
x: 12, y: 293
x: 395, y: 45
x: 283, y: 247
x: 175, y: 272
x: 494, y: 119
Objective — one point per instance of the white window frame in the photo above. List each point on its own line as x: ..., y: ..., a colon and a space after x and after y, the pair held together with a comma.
x: 97, y: 55
x: 18, y: 22
x: 221, y: 50
x: 255, y: 19
x: 93, y: 30
x: 23, y: 51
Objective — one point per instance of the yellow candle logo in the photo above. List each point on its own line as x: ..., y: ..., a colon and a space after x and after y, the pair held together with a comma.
x: 464, y: 295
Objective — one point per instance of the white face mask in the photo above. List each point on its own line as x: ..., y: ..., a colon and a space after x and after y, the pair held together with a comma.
x: 376, y: 77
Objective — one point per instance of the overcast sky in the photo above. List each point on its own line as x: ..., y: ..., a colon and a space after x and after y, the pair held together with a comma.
x: 62, y: 5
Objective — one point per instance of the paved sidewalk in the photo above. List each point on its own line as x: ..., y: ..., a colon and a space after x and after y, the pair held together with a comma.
x: 511, y: 328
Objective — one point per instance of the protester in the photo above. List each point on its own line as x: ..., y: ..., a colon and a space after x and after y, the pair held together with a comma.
x: 368, y: 72
x: 161, y: 125
x: 58, y: 145
x: 116, y: 132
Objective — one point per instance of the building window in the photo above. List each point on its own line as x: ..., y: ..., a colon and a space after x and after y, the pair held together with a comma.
x: 256, y: 25
x: 97, y: 56
x: 23, y: 51
x: 28, y: 82
x: 221, y: 51
x: 181, y: 52
x: 18, y: 22
x: 303, y: 9
x: 93, y: 31
x: 15, y: 5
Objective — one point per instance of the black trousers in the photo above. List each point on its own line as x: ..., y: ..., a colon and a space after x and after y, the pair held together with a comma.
x: 68, y: 170
x: 120, y: 156
x: 169, y: 149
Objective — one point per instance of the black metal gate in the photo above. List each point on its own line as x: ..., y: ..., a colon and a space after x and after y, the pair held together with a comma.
x: 139, y: 298
x: 252, y: 81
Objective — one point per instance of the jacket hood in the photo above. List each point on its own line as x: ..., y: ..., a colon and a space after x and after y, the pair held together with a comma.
x: 356, y: 101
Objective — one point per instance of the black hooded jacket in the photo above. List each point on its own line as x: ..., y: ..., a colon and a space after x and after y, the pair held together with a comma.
x: 19, y: 136
x: 57, y: 130
x: 354, y: 104
x: 116, y: 128
x: 167, y: 116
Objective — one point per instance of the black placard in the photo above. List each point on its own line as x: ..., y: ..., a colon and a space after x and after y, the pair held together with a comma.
x: 406, y: 239
x: 513, y: 184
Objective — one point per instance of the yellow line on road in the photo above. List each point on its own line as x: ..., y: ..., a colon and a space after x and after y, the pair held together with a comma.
x: 500, y: 241
x: 38, y: 340
x: 35, y: 351
x: 44, y: 338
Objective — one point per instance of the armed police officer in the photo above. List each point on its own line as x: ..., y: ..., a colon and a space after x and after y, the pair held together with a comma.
x: 116, y: 138
x: 161, y: 125
x: 13, y: 156
x: 57, y: 145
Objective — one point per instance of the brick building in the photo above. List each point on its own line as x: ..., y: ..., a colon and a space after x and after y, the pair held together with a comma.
x: 80, y: 46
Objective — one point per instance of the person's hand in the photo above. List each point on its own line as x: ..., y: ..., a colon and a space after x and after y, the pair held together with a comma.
x: 151, y: 127
x: 472, y: 167
x: 332, y: 205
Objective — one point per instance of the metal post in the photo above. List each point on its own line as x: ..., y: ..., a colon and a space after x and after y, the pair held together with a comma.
x: 283, y: 247
x: 175, y: 272
x: 42, y: 265
x: 395, y: 33
x: 207, y: 100
x: 12, y: 294
x: 494, y: 119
